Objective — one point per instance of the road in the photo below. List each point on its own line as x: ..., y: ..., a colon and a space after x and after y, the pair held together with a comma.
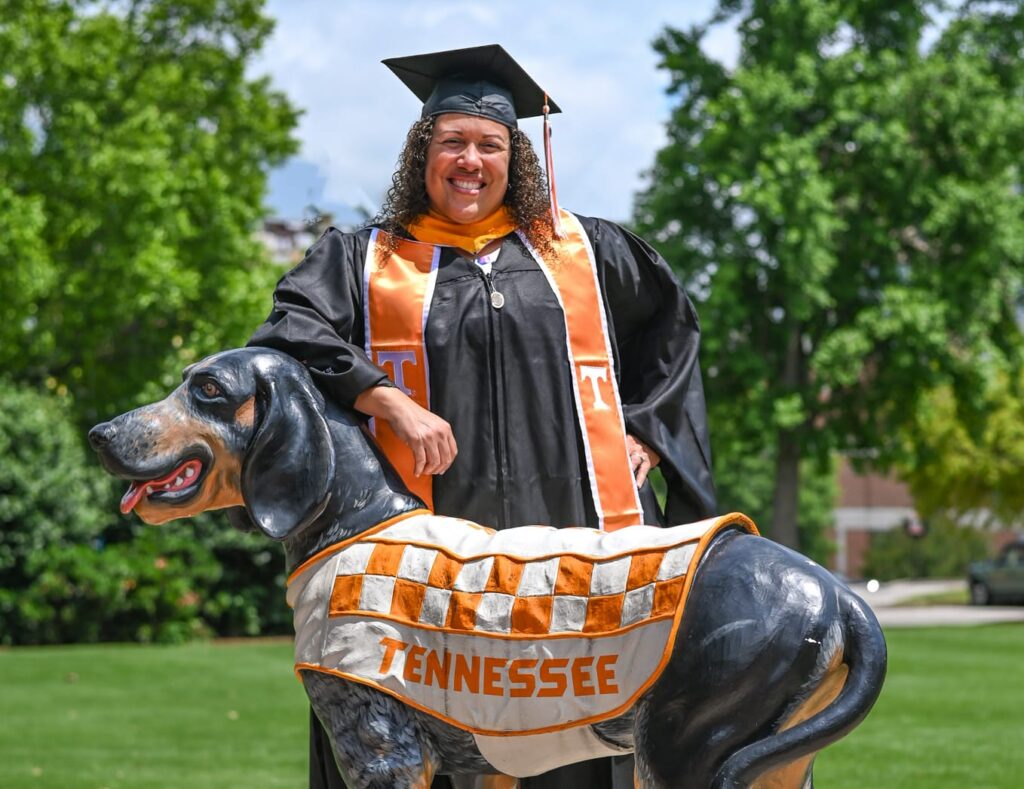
x: 885, y: 602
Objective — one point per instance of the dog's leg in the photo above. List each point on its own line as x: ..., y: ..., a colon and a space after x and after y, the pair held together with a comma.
x: 376, y: 742
x: 643, y: 775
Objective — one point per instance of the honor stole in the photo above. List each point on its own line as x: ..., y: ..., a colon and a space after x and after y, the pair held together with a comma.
x: 396, y: 302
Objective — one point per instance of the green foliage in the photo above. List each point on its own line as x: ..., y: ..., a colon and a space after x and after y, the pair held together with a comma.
x: 744, y: 480
x: 144, y: 589
x: 154, y: 584
x: 958, y: 464
x: 133, y: 158
x: 846, y: 207
x: 51, y: 493
x: 248, y: 596
x: 943, y: 552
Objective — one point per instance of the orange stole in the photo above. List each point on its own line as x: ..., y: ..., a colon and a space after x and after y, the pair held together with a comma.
x: 396, y: 300
x: 574, y: 281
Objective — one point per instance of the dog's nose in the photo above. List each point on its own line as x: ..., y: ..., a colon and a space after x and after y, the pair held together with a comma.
x: 102, y: 434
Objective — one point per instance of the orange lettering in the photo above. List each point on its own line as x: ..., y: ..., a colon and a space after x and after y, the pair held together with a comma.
x: 606, y: 674
x: 390, y: 647
x: 438, y: 670
x: 527, y: 679
x: 492, y: 676
x: 467, y: 673
x: 412, y: 663
x: 555, y: 682
x: 581, y: 676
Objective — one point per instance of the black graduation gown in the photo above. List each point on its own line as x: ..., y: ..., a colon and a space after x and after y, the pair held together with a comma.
x: 501, y: 377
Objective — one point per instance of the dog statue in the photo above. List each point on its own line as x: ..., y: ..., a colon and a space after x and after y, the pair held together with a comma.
x: 430, y: 645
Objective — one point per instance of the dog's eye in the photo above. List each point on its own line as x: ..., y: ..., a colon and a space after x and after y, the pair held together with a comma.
x: 210, y: 389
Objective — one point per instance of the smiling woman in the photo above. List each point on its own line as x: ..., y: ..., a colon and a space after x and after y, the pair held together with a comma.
x: 518, y: 364
x: 467, y: 167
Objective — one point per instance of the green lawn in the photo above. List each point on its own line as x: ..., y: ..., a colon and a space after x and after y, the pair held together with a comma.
x: 952, y: 597
x: 233, y: 715
x: 115, y: 716
x: 951, y: 714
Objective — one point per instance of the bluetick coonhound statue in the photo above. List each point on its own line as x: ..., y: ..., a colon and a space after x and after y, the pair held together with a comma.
x: 432, y: 645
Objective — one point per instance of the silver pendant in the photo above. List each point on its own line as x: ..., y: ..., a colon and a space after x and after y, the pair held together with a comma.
x: 497, y: 300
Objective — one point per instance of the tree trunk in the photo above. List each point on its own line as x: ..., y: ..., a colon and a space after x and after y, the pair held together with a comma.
x: 787, y: 490
x: 787, y: 462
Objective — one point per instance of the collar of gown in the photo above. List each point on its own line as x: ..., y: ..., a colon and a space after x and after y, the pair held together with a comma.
x: 433, y: 228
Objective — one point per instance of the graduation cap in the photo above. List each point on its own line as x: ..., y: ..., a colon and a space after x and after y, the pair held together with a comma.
x: 483, y: 81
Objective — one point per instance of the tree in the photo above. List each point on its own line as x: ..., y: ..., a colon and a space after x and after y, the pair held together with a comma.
x: 134, y: 149
x: 963, y: 471
x: 133, y: 159
x: 846, y: 205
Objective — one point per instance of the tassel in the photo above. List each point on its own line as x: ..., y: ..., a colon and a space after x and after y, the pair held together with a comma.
x: 556, y: 221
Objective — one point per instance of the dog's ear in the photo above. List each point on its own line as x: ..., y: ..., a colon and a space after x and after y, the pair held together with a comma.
x: 289, y: 467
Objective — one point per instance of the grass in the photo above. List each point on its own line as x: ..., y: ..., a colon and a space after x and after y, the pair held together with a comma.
x: 115, y: 716
x: 950, y: 715
x: 952, y: 597
x: 224, y: 716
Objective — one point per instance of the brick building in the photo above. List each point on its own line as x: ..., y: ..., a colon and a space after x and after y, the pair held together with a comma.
x: 868, y: 503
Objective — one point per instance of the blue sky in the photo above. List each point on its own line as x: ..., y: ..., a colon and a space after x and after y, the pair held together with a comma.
x: 595, y: 59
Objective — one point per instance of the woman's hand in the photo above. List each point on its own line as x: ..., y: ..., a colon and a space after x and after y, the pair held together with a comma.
x: 428, y: 436
x: 641, y: 458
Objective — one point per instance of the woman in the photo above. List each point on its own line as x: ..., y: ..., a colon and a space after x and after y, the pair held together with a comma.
x: 521, y: 365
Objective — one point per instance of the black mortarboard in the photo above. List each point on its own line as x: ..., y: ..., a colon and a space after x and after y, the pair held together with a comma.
x: 482, y: 81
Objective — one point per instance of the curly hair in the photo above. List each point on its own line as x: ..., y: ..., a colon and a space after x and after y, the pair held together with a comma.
x: 526, y: 197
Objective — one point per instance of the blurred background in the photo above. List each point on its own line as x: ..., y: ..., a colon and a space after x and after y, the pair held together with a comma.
x: 838, y: 184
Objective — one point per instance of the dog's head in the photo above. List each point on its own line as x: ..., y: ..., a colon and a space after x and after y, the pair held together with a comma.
x: 245, y: 428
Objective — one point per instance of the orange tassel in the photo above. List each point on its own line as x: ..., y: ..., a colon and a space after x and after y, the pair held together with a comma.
x: 556, y: 221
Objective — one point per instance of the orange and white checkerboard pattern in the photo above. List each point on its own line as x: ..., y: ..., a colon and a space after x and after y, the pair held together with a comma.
x: 436, y: 572
x: 511, y: 596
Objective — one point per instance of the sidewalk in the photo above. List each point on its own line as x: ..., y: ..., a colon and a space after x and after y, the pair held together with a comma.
x: 886, y: 599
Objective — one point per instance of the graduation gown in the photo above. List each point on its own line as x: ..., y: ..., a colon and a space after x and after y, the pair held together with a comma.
x: 502, y: 379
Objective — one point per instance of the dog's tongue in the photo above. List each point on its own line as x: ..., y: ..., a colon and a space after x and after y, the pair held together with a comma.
x: 135, y: 491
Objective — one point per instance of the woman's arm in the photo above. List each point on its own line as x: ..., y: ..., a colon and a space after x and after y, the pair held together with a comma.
x: 428, y: 435
x: 318, y: 319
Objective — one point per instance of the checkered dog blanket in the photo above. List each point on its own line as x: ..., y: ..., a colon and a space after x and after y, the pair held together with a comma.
x: 521, y: 637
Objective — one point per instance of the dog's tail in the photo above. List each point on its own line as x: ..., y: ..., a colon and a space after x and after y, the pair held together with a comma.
x: 864, y: 653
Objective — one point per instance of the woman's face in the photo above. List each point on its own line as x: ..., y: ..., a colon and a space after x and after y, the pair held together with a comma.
x: 467, y: 167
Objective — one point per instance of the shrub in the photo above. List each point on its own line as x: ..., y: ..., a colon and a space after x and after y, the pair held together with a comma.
x: 50, y: 492
x: 247, y: 599
x: 943, y: 552
x: 166, y: 584
x: 149, y: 588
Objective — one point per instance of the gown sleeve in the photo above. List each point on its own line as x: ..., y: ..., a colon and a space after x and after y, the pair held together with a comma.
x: 318, y: 317
x: 657, y: 340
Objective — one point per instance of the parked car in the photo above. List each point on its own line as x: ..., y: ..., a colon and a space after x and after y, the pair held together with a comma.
x: 999, y: 580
